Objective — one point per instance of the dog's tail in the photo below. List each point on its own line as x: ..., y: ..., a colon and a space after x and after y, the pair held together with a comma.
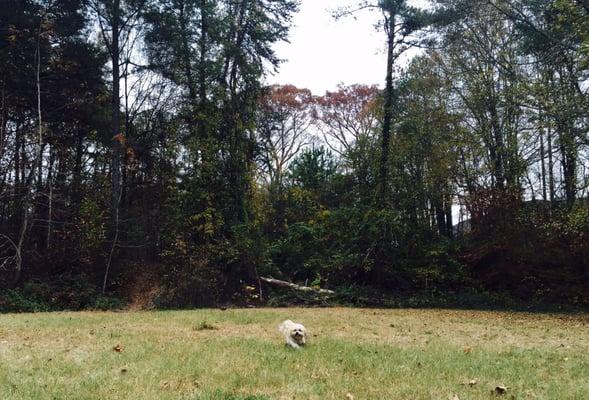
x: 282, y: 327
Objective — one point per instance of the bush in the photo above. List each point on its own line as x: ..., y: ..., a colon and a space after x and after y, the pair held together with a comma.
x: 17, y: 301
x: 67, y: 293
x: 107, y: 303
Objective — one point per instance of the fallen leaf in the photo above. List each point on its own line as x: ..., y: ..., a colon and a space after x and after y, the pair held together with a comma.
x: 500, y: 390
x: 118, y: 348
x: 467, y: 350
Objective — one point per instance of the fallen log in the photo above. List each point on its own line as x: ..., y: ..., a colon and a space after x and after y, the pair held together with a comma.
x: 294, y: 286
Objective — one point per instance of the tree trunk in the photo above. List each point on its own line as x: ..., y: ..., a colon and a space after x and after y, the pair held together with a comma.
x: 28, y: 181
x: 499, y: 170
x: 449, y: 219
x: 388, y: 111
x: 294, y: 286
x: 49, y: 199
x: 116, y: 142
x: 542, y: 165
x: 550, y: 166
x: 441, y: 219
x: 77, y: 180
x: 569, y: 163
x: 202, y: 75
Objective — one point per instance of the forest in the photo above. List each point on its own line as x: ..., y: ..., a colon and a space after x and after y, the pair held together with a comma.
x: 144, y: 158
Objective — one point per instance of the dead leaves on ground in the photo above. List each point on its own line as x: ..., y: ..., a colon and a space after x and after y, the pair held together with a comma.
x: 118, y: 348
x: 499, y: 390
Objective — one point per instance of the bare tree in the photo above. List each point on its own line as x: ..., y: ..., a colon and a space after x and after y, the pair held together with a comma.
x: 116, y: 20
x: 283, y: 130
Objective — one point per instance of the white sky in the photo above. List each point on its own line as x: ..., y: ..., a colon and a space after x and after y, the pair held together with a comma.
x: 324, y: 52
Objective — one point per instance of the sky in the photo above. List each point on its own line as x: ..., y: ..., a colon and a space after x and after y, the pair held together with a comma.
x: 324, y: 52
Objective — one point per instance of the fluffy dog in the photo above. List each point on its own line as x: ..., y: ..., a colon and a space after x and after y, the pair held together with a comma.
x: 295, y: 335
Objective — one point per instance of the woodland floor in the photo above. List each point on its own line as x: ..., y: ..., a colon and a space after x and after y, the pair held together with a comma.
x: 238, y: 354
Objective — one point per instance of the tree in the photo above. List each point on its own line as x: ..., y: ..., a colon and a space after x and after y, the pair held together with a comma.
x: 425, y: 167
x: 115, y: 19
x: 556, y: 34
x: 38, y: 92
x: 490, y: 91
x: 216, y: 53
x: 349, y: 119
x: 312, y: 169
x: 285, y: 116
x: 404, y: 26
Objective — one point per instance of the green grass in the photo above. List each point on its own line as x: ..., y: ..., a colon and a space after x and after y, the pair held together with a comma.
x: 238, y: 355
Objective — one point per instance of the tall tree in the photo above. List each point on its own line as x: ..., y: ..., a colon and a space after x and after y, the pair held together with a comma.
x: 405, y: 27
x: 115, y: 19
x: 39, y: 92
x: 285, y: 116
x: 349, y: 120
x: 216, y: 52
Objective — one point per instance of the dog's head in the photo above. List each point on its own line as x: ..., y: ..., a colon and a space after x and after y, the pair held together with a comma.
x: 299, y: 335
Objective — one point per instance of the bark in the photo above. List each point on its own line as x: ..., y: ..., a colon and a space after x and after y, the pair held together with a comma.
x: 77, y: 180
x: 28, y: 181
x: 186, y: 57
x: 449, y: 219
x: 388, y: 111
x: 550, y: 166
x: 116, y: 141
x: 294, y: 286
x: 498, y: 147
x: 17, y: 158
x: 49, y: 199
x: 569, y: 164
x: 441, y: 219
x: 203, y: 70
x: 3, y: 121
x: 542, y: 165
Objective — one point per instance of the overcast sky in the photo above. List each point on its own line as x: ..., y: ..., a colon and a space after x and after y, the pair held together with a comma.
x: 323, y: 52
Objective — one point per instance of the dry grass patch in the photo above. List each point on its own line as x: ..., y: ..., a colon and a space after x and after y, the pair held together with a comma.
x: 238, y: 354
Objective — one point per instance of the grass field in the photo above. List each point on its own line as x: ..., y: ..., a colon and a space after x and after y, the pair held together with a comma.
x: 238, y: 354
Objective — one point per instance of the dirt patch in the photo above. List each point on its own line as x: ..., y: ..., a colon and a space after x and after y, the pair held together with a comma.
x: 142, y: 287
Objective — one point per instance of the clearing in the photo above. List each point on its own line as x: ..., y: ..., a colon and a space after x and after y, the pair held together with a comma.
x: 238, y: 354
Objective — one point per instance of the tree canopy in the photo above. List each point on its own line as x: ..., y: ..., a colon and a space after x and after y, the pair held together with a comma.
x: 140, y: 145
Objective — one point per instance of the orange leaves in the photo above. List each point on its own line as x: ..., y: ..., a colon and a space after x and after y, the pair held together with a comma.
x: 348, y: 113
x: 287, y: 98
x: 119, y: 137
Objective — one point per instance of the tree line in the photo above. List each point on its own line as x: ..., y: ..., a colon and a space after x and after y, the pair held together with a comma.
x: 139, y: 143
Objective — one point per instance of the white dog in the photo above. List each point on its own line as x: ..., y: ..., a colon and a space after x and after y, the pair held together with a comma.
x: 295, y: 335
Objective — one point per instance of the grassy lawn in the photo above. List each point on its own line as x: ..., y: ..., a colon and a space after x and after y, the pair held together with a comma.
x: 238, y: 354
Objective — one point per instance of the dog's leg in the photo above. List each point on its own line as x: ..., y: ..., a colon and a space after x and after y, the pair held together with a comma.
x: 290, y: 342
